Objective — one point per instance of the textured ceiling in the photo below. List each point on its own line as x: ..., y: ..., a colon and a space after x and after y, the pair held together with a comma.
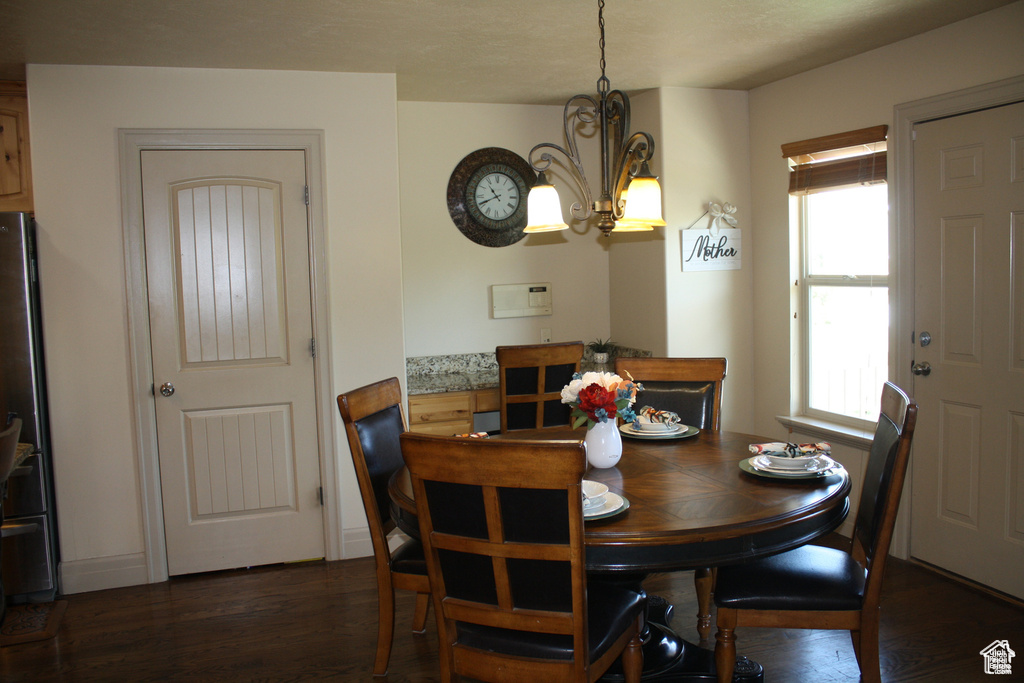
x: 507, y: 51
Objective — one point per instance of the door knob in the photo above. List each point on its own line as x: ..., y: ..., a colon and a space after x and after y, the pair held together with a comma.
x: 167, y: 389
x: 923, y: 369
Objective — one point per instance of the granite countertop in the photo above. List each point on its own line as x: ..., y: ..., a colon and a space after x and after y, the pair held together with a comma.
x: 457, y: 372
x: 473, y: 371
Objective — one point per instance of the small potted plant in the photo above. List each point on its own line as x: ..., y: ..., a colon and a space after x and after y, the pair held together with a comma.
x: 601, y: 348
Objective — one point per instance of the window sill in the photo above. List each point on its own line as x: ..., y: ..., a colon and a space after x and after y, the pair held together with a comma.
x: 834, y: 432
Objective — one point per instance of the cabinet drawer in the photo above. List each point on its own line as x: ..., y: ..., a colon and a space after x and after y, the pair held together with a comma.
x: 487, y: 400
x: 442, y: 428
x: 448, y: 407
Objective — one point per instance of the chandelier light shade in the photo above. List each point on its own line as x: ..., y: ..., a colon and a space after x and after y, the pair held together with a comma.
x: 624, y: 166
x: 543, y: 208
x: 643, y: 210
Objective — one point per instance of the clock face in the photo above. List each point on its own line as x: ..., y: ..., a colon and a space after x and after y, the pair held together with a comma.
x: 487, y: 196
x: 497, y: 196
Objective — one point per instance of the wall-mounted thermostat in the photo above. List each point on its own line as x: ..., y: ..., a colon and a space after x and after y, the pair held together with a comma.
x: 520, y: 301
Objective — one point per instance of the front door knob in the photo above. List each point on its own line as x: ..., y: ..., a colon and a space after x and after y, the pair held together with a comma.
x: 923, y: 369
x: 167, y: 389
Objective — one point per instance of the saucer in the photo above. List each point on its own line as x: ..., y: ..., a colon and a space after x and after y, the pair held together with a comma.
x: 613, y: 504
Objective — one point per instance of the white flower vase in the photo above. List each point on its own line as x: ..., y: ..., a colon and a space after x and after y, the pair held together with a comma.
x: 604, y: 444
x: 601, y: 358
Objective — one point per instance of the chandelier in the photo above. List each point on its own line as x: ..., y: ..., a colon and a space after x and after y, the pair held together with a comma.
x: 624, y: 169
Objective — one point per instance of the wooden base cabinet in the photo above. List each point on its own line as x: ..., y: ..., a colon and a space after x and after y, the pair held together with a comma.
x: 450, y: 412
x: 15, y: 161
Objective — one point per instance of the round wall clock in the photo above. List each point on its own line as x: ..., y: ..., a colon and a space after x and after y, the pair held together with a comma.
x: 487, y: 196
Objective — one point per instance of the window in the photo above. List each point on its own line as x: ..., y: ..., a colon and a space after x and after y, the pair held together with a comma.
x: 841, y: 200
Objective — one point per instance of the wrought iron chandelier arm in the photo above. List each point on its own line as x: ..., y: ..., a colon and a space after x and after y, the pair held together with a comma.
x: 615, y: 130
x: 638, y: 149
x: 581, y: 108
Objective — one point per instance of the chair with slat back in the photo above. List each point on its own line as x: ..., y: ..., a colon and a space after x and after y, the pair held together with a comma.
x: 827, y: 588
x: 374, y: 420
x: 530, y: 381
x: 502, y: 529
x: 691, y: 388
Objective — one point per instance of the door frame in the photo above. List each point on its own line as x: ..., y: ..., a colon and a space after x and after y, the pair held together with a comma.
x: 901, y: 235
x: 131, y: 142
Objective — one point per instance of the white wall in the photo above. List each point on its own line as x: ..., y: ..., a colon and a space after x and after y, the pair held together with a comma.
x: 639, y: 296
x: 76, y: 113
x: 855, y: 93
x: 447, y: 276
x: 701, y: 156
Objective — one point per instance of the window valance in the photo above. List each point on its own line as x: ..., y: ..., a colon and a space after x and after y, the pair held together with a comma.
x: 856, y: 157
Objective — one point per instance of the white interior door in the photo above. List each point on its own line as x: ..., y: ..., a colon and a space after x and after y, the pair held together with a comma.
x: 227, y: 261
x: 968, y: 472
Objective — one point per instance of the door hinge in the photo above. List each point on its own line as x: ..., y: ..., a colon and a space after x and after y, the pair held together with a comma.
x: 312, y: 346
x: 305, y: 195
x: 320, y: 494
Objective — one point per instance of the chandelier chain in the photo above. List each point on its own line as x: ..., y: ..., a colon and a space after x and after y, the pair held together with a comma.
x: 602, y: 83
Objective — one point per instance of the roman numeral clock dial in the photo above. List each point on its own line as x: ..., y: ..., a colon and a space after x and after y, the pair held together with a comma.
x: 497, y: 196
x: 487, y: 196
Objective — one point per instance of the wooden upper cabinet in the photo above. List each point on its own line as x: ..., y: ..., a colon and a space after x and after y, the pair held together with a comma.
x: 15, y: 162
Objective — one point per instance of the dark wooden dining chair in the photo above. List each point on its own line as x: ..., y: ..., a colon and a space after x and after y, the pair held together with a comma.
x: 827, y: 588
x: 530, y: 381
x: 502, y: 528
x: 374, y: 420
x: 691, y: 388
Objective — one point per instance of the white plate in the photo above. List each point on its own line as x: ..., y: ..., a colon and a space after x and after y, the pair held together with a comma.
x: 673, y: 429
x: 611, y: 503
x: 816, y: 464
x: 821, y: 464
x: 787, y: 463
x: 593, y: 494
x: 682, y: 432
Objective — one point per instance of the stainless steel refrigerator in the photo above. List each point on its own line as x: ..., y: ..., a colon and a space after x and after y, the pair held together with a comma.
x: 28, y: 536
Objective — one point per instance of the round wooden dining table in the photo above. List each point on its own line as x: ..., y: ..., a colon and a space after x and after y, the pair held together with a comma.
x: 691, y: 506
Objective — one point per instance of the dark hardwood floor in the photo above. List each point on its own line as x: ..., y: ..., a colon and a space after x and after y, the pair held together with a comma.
x: 317, y: 621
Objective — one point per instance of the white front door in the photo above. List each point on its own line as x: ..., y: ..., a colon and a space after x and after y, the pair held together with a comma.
x: 968, y: 471
x: 227, y: 264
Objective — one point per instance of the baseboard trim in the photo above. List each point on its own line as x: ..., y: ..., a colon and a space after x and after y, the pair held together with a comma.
x: 100, y: 573
x: 356, y: 543
x: 969, y: 583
